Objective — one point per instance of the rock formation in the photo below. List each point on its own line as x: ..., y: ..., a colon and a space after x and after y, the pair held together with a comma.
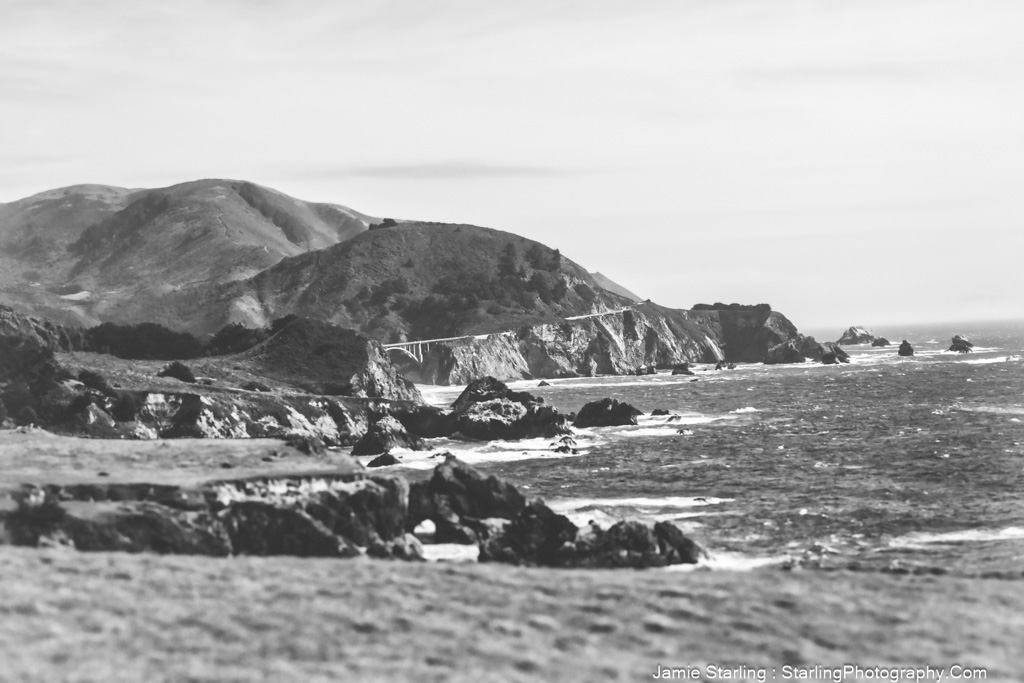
x: 608, y: 412
x: 905, y: 349
x: 615, y: 344
x: 961, y: 345
x: 833, y: 353
x: 881, y: 341
x: 856, y: 335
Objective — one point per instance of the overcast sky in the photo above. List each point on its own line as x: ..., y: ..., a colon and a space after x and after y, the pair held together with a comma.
x: 848, y: 162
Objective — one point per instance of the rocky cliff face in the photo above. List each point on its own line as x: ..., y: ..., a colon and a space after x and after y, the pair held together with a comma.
x: 612, y: 344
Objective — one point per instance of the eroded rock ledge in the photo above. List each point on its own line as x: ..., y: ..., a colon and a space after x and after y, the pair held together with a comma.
x: 348, y: 513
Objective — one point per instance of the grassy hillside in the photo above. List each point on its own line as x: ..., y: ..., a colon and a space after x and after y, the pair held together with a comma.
x: 78, y: 254
x: 417, y: 281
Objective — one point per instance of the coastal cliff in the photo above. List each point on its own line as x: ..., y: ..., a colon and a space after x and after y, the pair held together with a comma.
x: 608, y: 344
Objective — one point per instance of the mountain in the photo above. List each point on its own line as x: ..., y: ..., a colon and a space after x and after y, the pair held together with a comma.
x: 414, y: 280
x: 78, y: 254
x: 607, y: 284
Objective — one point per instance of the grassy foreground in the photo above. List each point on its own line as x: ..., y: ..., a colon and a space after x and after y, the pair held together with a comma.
x: 119, y: 617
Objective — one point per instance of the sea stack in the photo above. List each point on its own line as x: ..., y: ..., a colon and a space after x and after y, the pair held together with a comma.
x: 856, y: 335
x: 906, y: 349
x: 961, y: 344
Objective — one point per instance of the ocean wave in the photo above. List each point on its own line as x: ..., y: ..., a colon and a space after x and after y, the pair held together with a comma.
x: 748, y: 409
x: 451, y: 552
x: 921, y: 539
x: 568, y: 504
x: 726, y: 561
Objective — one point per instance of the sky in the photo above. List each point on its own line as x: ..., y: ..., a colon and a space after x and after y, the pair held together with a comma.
x: 846, y: 162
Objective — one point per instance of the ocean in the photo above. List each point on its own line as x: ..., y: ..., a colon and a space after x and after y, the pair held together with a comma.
x: 886, y: 463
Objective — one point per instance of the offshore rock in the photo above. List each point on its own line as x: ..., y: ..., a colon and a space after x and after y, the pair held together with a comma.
x: 856, y: 335
x: 682, y: 369
x: 488, y: 410
x: 383, y: 460
x: 961, y: 345
x: 905, y: 349
x: 536, y: 535
x: 456, y: 491
x: 787, y: 352
x: 608, y: 412
x: 385, y: 434
x: 881, y: 341
x: 487, y: 389
x: 833, y: 354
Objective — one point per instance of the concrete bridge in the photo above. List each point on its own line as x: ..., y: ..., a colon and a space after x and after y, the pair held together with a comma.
x: 416, y: 349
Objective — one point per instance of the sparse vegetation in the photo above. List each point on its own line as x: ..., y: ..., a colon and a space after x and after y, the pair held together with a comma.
x: 234, y: 338
x: 179, y: 371
x: 95, y: 380
x: 145, y: 341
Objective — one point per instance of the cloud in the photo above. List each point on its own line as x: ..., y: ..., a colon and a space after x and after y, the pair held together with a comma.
x: 449, y: 170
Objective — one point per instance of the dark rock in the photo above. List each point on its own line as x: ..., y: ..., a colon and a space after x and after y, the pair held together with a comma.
x: 457, y: 490
x: 544, y: 384
x: 507, y: 420
x: 384, y: 460
x: 659, y: 411
x: 787, y: 352
x: 684, y: 369
x: 961, y: 345
x: 428, y: 422
x: 489, y: 389
x: 488, y: 410
x: 566, y: 449
x: 905, y: 349
x: 675, y: 546
x: 256, y: 386
x: 856, y: 335
x: 881, y: 341
x: 383, y: 435
x: 628, y: 543
x: 308, y: 444
x: 833, y: 354
x: 608, y: 412
x: 535, y: 536
x: 369, y: 513
x: 258, y: 528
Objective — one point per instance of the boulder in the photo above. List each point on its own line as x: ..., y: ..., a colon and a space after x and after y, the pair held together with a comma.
x: 657, y: 412
x: 385, y: 434
x: 608, y: 412
x: 258, y: 528
x: 456, y: 491
x: 856, y: 335
x: 784, y: 353
x: 832, y: 354
x: 675, y: 546
x: 881, y: 341
x: 507, y: 420
x: 489, y: 389
x: 905, y: 349
x: 629, y: 543
x: 384, y: 460
x: 488, y: 410
x: 428, y: 422
x: 536, y: 535
x: 684, y: 369
x: 961, y: 345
